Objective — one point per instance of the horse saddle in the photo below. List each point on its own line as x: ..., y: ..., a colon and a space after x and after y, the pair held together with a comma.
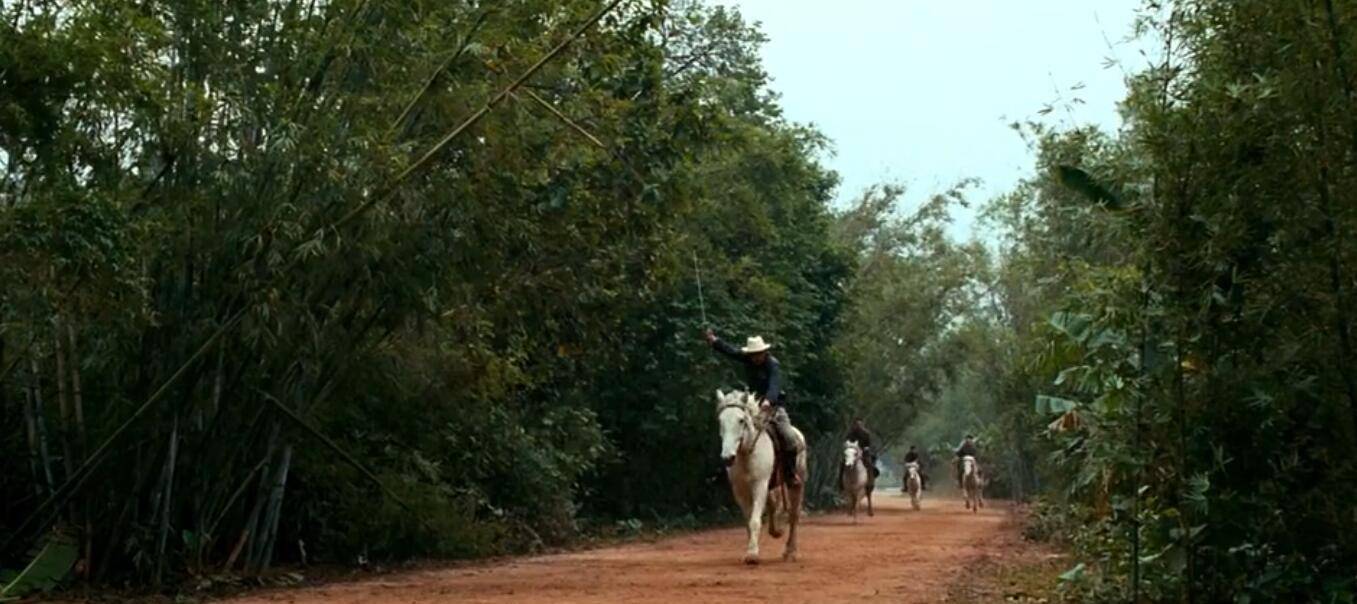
x: 781, y: 452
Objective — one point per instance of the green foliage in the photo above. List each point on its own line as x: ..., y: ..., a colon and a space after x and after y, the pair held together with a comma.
x: 505, y: 334
x: 1182, y: 295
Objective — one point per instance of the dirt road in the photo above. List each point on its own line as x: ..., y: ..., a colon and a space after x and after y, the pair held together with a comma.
x: 899, y: 556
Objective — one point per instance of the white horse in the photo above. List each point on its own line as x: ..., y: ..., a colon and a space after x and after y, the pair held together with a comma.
x: 856, y: 480
x: 747, y: 450
x: 972, y: 484
x: 913, y: 483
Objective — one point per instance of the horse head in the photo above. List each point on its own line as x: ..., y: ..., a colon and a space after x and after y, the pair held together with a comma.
x: 735, y: 412
x: 912, y: 468
x: 967, y: 465
x: 851, y: 453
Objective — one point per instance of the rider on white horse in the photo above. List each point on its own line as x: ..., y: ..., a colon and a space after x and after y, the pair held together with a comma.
x: 913, y: 457
x: 858, y: 433
x: 966, y: 449
x: 763, y: 374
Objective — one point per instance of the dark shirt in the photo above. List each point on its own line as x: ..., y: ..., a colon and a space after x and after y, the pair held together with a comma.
x: 966, y: 450
x: 764, y: 380
x: 860, y: 436
x: 912, y: 457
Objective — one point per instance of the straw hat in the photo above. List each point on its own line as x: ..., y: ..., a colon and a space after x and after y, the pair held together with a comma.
x: 755, y: 344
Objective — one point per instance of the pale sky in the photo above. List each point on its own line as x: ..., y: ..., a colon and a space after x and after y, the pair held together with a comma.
x: 921, y: 92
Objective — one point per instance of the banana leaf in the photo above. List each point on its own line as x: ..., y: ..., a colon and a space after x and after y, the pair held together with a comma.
x: 50, y: 565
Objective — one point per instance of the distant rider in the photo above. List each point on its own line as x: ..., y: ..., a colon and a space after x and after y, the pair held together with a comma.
x: 858, y: 433
x: 966, y: 449
x: 913, y: 457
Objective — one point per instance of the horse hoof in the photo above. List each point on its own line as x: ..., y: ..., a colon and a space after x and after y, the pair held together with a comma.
x: 751, y: 559
x: 789, y: 556
x: 774, y: 533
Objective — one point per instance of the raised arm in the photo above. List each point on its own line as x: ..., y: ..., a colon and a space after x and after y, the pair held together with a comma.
x: 722, y: 347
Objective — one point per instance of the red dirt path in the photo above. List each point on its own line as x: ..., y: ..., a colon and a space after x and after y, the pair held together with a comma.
x: 898, y: 556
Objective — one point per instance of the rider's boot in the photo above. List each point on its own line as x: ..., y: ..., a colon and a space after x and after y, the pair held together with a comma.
x: 783, y: 427
x: 789, y: 468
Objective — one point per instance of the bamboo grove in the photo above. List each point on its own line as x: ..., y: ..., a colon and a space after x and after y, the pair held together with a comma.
x: 289, y: 280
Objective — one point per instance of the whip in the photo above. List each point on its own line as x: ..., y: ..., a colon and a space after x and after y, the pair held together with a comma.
x: 700, y: 302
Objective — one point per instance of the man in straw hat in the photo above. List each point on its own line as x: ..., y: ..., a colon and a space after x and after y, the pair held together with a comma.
x: 763, y: 375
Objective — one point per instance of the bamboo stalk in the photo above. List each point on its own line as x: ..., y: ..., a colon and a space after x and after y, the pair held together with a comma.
x: 30, y: 423
x: 250, y: 532
x: 1333, y: 229
x: 419, y: 164
x: 217, y: 381
x: 235, y: 495
x: 343, y: 454
x: 166, y: 501
x: 121, y: 524
x: 63, y: 402
x: 77, y: 394
x: 74, y: 483
x: 35, y: 391
x: 78, y: 407
x: 275, y: 509
x: 433, y: 77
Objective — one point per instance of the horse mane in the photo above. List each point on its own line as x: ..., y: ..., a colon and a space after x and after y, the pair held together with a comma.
x: 747, y: 401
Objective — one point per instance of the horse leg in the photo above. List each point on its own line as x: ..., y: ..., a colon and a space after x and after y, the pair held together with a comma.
x: 775, y: 502
x: 742, y: 500
x: 793, y: 503
x: 759, y: 500
x: 795, y: 497
x: 870, y: 513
